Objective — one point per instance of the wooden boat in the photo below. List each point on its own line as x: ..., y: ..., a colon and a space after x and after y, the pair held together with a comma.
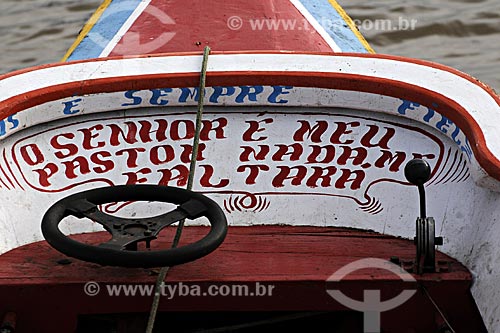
x: 311, y: 148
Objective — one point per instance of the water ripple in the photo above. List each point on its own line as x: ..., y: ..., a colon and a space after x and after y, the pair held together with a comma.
x: 464, y: 34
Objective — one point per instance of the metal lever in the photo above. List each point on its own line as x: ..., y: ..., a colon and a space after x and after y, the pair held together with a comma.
x: 418, y: 172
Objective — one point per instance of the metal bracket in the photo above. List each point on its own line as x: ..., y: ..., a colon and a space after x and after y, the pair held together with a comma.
x: 426, y: 242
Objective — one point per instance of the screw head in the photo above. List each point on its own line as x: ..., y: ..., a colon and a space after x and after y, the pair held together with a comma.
x: 62, y: 262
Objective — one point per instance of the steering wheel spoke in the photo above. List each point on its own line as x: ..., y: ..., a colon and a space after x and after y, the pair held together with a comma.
x: 126, y: 226
x: 126, y: 233
x: 127, y: 242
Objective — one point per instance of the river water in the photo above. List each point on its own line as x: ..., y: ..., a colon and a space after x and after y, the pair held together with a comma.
x: 464, y: 34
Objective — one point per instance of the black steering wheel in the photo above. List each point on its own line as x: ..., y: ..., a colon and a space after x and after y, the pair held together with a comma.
x: 121, y: 249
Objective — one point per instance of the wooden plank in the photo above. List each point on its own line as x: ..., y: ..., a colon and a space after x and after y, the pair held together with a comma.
x: 291, y: 265
x: 259, y: 253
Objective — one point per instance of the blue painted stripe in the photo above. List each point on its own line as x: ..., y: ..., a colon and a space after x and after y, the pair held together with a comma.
x: 105, y: 29
x: 334, y: 25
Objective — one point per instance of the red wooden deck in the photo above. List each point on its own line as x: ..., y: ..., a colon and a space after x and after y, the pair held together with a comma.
x: 208, y: 23
x: 47, y: 294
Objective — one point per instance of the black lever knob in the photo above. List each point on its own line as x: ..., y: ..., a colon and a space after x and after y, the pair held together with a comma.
x: 417, y: 171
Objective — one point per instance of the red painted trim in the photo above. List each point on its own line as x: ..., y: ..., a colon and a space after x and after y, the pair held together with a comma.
x: 356, y: 55
x: 446, y: 106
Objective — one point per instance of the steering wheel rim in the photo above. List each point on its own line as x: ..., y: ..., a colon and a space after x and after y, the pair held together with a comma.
x: 125, y: 258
